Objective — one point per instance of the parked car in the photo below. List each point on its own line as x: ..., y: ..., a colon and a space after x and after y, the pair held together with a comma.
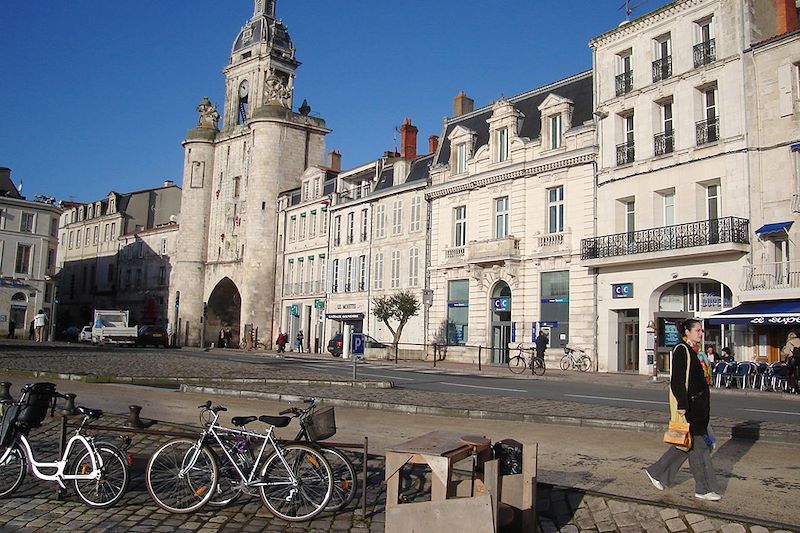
x: 152, y: 336
x: 85, y: 335
x: 336, y: 344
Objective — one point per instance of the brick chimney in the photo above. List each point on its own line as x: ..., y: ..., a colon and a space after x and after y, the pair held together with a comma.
x: 786, y: 14
x: 408, y: 140
x: 433, y: 143
x: 335, y: 159
x: 462, y: 104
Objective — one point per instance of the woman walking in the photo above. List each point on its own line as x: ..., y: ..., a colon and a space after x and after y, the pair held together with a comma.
x: 689, y: 400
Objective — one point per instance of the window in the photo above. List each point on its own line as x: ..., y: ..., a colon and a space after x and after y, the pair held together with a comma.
x: 23, y: 263
x: 397, y: 215
x: 304, y: 194
x: 163, y: 246
x: 380, y: 220
x: 54, y: 227
x: 302, y: 226
x: 323, y: 271
x: 395, y: 278
x: 625, y: 151
x: 461, y: 158
x: 316, y: 187
x: 555, y: 131
x: 630, y: 216
x: 624, y: 79
x: 300, y: 275
x: 51, y: 256
x: 88, y: 237
x: 502, y: 144
x: 555, y: 209
x: 312, y: 224
x: 665, y: 141
x: 113, y: 231
x: 78, y: 239
x: 413, y: 267
x: 362, y: 273
x: 705, y: 50
x: 292, y: 228
x: 323, y: 222
x: 708, y: 129
x: 364, y: 224
x: 416, y: 213
x: 348, y: 274
x: 236, y: 182
x: 26, y: 222
x: 460, y: 226
x: 337, y: 230
x: 662, y: 65
x: 378, y: 276
x: 669, y: 208
x: 71, y: 238
x: 457, y: 311
x: 335, y: 276
x: 712, y: 202
x: 105, y: 233
x: 350, y: 226
x: 500, y: 217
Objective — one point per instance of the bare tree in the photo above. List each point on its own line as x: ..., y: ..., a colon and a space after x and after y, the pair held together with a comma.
x: 398, y: 307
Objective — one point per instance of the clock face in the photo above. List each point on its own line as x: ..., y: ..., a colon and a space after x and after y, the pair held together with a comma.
x: 243, y: 89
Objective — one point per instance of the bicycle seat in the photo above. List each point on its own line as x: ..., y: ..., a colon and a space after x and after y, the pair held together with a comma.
x: 241, y: 421
x: 91, y: 413
x: 277, y: 421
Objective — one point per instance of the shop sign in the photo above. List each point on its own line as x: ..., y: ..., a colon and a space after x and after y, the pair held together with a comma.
x: 294, y: 310
x: 457, y: 304
x: 502, y: 304
x: 776, y: 320
x: 563, y: 300
x: 622, y: 290
x: 319, y: 304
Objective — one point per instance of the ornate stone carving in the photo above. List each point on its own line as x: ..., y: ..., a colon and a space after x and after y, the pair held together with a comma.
x: 276, y: 92
x: 209, y: 117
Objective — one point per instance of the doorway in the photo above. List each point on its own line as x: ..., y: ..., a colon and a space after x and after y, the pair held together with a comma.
x: 224, y: 311
x: 501, y: 322
x: 628, y: 340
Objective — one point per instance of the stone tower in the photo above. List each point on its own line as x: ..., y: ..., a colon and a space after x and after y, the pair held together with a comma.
x: 227, y: 241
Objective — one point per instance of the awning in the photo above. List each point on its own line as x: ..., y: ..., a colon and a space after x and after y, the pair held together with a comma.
x: 776, y: 312
x: 776, y: 227
x: 345, y: 316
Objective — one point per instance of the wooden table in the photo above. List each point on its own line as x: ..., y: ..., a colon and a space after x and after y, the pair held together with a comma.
x: 440, y: 450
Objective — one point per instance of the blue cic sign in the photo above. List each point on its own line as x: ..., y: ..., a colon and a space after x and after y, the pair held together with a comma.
x: 502, y: 304
x: 622, y: 290
x: 357, y: 344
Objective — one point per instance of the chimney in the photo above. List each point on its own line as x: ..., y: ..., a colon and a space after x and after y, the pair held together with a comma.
x: 433, y: 143
x: 786, y: 15
x: 335, y: 159
x: 168, y: 183
x: 462, y: 104
x: 408, y: 140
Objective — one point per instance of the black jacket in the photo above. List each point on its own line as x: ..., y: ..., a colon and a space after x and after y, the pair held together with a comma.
x: 695, y: 400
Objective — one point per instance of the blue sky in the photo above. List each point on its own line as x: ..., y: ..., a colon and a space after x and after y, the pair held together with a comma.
x: 97, y: 95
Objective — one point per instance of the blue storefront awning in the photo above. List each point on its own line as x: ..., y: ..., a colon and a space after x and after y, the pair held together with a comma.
x: 777, y: 227
x: 776, y: 312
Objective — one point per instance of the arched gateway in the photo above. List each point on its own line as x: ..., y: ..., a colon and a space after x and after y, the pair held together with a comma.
x: 224, y: 311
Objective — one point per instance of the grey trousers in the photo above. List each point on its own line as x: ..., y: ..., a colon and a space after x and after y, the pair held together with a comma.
x: 666, y: 469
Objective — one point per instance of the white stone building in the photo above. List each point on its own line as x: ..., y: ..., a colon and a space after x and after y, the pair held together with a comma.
x: 28, y: 244
x: 510, y: 200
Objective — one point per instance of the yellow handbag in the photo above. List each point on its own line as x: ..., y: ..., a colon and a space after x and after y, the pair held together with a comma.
x: 677, y: 432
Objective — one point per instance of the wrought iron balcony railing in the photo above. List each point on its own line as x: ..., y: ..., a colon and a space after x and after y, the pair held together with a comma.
x: 625, y: 153
x: 769, y: 276
x: 702, y: 233
x: 707, y: 131
x: 664, y: 143
x: 705, y: 53
x: 624, y: 82
x: 662, y: 68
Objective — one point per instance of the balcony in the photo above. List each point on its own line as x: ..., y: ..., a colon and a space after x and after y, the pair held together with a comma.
x: 662, y: 68
x: 707, y: 131
x: 664, y: 143
x: 766, y: 280
x: 492, y: 250
x: 705, y: 53
x: 625, y: 153
x: 624, y: 82
x: 706, y: 237
x: 456, y: 252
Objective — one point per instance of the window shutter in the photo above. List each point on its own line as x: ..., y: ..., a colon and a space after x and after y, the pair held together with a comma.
x: 785, y: 96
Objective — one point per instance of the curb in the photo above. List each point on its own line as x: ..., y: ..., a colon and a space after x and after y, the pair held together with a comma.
x: 742, y: 431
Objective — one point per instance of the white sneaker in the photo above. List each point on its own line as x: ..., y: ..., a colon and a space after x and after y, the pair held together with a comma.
x: 710, y: 496
x: 656, y: 483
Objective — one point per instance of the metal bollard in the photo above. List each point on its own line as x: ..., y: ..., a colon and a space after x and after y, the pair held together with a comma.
x: 133, y: 417
x: 70, y: 408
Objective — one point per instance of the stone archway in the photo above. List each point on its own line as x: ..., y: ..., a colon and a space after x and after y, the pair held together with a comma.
x: 500, y: 321
x: 224, y: 310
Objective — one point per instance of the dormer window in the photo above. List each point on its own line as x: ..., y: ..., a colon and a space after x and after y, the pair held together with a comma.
x: 461, y: 158
x: 462, y: 141
x: 556, y: 118
x: 556, y: 131
x: 502, y: 144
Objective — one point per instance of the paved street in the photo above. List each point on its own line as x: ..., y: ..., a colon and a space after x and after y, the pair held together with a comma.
x: 596, y: 471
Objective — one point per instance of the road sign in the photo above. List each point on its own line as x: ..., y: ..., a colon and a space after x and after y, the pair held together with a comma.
x: 357, y: 344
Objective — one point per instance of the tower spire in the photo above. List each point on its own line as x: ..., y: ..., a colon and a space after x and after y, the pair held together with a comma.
x: 264, y: 8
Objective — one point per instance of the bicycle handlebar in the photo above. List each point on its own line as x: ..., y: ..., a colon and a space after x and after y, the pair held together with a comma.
x: 207, y: 406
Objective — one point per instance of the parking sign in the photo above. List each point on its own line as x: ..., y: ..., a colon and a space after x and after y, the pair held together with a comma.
x: 357, y: 344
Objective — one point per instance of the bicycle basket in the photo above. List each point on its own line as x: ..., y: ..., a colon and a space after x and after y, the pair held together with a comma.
x: 321, y: 424
x: 7, y: 425
x: 33, y: 410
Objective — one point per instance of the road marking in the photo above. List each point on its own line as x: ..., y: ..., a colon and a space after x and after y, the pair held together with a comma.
x: 480, y: 387
x: 774, y: 412
x: 382, y: 376
x: 615, y: 399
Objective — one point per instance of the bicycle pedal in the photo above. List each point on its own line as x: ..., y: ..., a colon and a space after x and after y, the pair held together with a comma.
x: 61, y: 494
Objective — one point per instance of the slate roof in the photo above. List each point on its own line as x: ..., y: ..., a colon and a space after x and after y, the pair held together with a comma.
x: 577, y: 88
x: 419, y: 171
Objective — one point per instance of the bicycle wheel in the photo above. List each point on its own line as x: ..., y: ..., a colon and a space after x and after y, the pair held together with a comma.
x: 565, y: 362
x: 517, y: 364
x: 113, y: 481
x: 306, y: 496
x: 345, y: 482
x: 585, y: 363
x: 229, y: 484
x: 12, y: 470
x: 538, y: 366
x: 174, y: 484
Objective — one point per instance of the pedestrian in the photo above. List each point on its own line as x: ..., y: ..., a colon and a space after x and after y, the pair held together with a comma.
x: 727, y: 354
x: 281, y: 342
x: 792, y: 342
x: 32, y: 330
x: 711, y: 353
x: 542, y: 341
x: 39, y: 322
x: 689, y: 400
x: 12, y: 329
x: 221, y: 338
x: 791, y: 352
x: 228, y: 337
x: 299, y: 341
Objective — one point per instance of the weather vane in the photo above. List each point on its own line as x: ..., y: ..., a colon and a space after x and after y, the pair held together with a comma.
x: 629, y: 7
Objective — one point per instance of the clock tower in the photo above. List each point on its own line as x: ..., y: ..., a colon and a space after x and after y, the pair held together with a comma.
x: 233, y: 173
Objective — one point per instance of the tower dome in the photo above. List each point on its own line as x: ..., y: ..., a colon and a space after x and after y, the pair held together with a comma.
x: 264, y: 28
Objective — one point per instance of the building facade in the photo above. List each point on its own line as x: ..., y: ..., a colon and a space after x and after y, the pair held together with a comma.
x: 28, y: 246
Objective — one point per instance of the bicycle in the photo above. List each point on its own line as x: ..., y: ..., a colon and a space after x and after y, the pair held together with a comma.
x: 294, y: 481
x: 582, y: 362
x: 519, y: 363
x: 315, y: 425
x: 100, y: 475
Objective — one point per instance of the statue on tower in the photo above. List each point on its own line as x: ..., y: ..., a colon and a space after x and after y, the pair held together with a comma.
x: 276, y: 92
x: 209, y: 117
